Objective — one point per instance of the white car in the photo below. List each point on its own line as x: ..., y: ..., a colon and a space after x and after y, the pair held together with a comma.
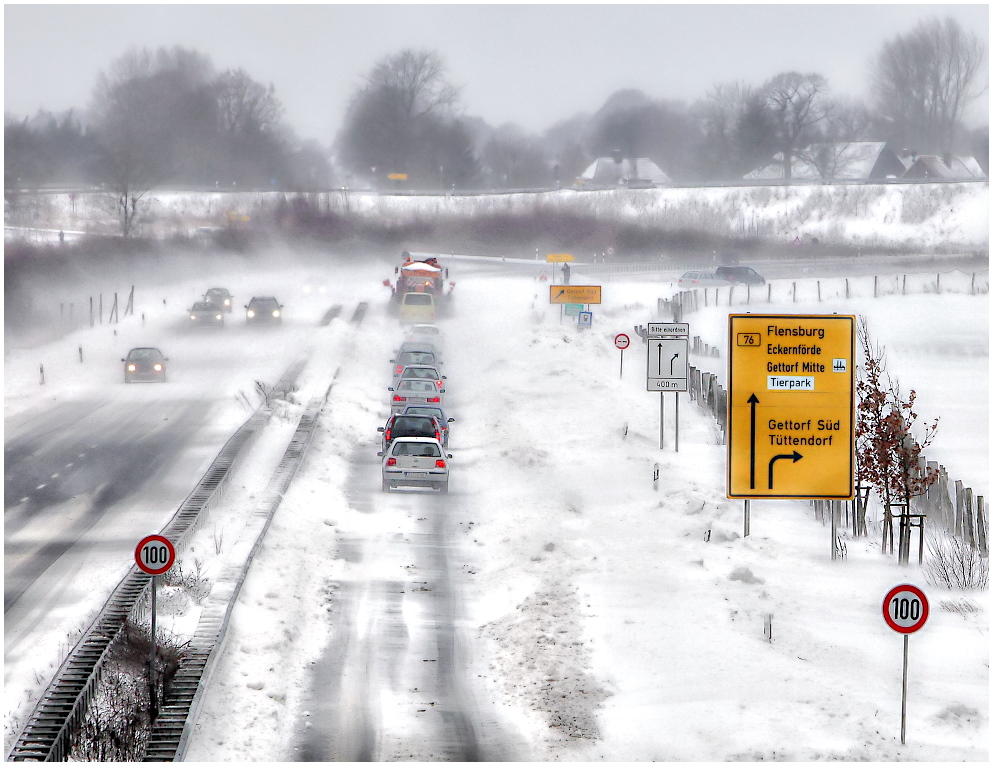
x: 423, y: 331
x: 415, y: 461
x: 414, y: 392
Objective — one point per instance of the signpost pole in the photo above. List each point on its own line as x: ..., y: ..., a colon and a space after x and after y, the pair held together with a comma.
x: 903, y: 706
x: 677, y: 421
x: 834, y: 532
x: 622, y: 363
x: 747, y: 518
x: 152, y: 695
x: 661, y: 420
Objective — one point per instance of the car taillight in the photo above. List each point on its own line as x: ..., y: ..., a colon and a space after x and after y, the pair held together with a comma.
x: 437, y: 435
x: 399, y: 369
x: 388, y: 435
x: 157, y: 368
x: 438, y: 384
x: 434, y: 399
x: 391, y: 461
x: 398, y: 398
x: 439, y: 463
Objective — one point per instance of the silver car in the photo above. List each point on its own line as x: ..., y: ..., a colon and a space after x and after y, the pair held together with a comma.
x: 415, y: 461
x: 421, y: 372
x: 206, y: 314
x: 702, y: 278
x: 414, y: 392
x: 412, y: 357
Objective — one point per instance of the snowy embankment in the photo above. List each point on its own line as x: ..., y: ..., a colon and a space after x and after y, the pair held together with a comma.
x: 949, y: 217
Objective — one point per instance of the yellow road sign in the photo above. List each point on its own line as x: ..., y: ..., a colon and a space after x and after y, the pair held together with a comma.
x: 791, y: 406
x: 574, y: 293
x: 397, y: 176
x: 558, y: 257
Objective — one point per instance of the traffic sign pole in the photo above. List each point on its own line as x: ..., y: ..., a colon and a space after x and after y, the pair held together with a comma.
x: 905, y: 609
x: 154, y: 556
x: 622, y: 341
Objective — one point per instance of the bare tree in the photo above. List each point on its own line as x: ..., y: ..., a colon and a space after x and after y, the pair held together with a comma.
x: 514, y: 160
x: 400, y: 107
x: 838, y: 145
x: 795, y: 103
x: 151, y: 113
x: 924, y: 80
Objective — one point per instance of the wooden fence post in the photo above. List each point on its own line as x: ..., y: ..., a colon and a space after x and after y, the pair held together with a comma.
x: 981, y: 527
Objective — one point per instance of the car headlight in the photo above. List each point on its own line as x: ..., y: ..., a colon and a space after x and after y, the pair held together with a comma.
x: 275, y: 313
x: 132, y: 368
x: 250, y: 313
x: 157, y: 367
x: 218, y: 317
x: 193, y: 316
x: 227, y: 301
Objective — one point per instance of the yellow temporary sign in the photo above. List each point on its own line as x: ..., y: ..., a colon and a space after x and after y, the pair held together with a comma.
x: 574, y: 293
x: 791, y: 406
x: 397, y: 176
x: 558, y: 257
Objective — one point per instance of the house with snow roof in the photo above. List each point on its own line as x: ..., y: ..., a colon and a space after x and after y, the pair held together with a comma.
x: 848, y: 160
x: 634, y: 173
x: 948, y: 168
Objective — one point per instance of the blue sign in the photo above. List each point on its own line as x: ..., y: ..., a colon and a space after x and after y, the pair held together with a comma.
x: 585, y: 318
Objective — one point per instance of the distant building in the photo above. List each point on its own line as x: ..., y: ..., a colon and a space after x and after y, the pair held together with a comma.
x: 850, y: 160
x: 948, y: 168
x: 867, y: 161
x: 607, y: 172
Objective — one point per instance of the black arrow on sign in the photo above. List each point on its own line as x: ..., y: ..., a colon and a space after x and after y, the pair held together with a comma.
x: 752, y: 400
x: 671, y: 362
x: 794, y: 457
x: 561, y: 293
x: 658, y: 348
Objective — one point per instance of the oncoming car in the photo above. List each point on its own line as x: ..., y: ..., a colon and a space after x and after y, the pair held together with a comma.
x: 744, y: 275
x: 263, y: 309
x: 414, y: 392
x: 204, y: 314
x: 415, y: 461
x: 221, y: 297
x: 144, y: 364
x: 703, y: 278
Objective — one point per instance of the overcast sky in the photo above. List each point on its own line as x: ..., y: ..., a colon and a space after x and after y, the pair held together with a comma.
x: 532, y: 65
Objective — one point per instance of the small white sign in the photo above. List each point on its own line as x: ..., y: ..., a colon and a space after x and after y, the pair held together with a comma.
x: 840, y: 365
x: 790, y: 383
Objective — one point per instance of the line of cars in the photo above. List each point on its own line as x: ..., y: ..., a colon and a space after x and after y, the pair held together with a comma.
x: 416, y: 435
x: 147, y: 364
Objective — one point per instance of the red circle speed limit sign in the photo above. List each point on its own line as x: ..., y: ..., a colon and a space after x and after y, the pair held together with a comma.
x: 905, y: 609
x: 155, y: 555
x: 622, y: 341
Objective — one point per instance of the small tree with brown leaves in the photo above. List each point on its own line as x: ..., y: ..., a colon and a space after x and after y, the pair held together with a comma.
x: 888, y: 455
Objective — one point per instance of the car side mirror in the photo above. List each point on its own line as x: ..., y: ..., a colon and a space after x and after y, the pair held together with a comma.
x: 381, y: 429
x: 441, y: 391
x: 390, y: 388
x: 449, y: 457
x: 379, y: 454
x: 124, y: 360
x: 393, y: 361
x: 444, y: 377
x: 451, y: 420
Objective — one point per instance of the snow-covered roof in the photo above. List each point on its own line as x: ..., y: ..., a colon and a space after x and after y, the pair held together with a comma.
x: 851, y: 159
x: 606, y: 170
x: 933, y: 166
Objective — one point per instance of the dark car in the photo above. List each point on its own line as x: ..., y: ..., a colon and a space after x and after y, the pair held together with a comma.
x: 740, y: 275
x: 204, y: 314
x: 263, y: 309
x: 144, y: 364
x: 221, y: 297
x: 434, y: 410
x: 410, y: 425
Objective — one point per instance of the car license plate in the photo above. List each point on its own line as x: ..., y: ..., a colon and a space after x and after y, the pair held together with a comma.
x: 414, y: 474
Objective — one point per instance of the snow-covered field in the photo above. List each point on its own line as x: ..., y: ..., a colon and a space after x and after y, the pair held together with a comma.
x: 953, y: 216
x: 610, y: 619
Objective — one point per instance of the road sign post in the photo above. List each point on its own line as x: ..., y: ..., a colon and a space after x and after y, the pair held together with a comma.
x: 905, y: 609
x: 668, y: 366
x: 791, y: 397
x: 622, y: 341
x: 154, y: 556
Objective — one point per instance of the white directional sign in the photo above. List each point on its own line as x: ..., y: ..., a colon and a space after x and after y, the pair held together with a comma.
x: 668, y: 364
x: 668, y: 329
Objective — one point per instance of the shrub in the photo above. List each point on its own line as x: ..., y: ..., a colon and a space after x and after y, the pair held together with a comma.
x: 953, y: 563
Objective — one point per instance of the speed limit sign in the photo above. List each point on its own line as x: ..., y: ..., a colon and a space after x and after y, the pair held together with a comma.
x: 905, y: 609
x: 155, y: 555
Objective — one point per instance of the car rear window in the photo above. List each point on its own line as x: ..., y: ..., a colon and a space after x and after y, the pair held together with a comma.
x: 418, y: 299
x: 421, y: 425
x: 416, y: 449
x: 416, y: 357
x: 422, y: 373
x: 416, y: 386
